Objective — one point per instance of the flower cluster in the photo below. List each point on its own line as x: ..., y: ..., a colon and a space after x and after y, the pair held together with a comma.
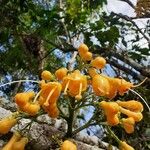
x: 73, y: 84
x: 132, y: 109
x: 26, y: 104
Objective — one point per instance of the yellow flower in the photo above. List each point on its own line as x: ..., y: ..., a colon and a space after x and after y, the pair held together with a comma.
x: 50, y: 92
x: 68, y: 145
x: 98, y: 62
x: 131, y: 105
x: 20, y: 144
x: 123, y: 86
x: 128, y: 124
x: 16, y: 136
x: 100, y: 85
x: 46, y: 75
x: 75, y: 83
x: 137, y: 116
x: 125, y: 146
x: 22, y: 99
x: 111, y: 110
x: 61, y: 73
x: 6, y: 124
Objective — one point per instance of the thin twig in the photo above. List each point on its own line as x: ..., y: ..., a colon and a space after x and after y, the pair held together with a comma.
x: 19, y: 82
x: 112, y: 134
x: 85, y: 125
x: 127, y: 18
x: 141, y: 98
x: 129, y: 2
x: 72, y: 61
x: 63, y: 24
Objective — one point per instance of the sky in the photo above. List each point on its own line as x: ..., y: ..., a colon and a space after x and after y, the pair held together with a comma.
x: 121, y: 7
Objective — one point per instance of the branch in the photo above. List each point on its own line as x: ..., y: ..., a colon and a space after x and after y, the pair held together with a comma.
x: 111, y: 52
x: 71, y: 62
x: 41, y: 61
x: 108, y: 52
x: 63, y: 22
x: 70, y: 120
x: 126, y: 69
x: 129, y: 2
x: 71, y: 48
x: 127, y: 18
x: 132, y: 63
x: 86, y: 125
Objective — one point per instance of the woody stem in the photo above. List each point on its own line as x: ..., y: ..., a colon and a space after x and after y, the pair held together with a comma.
x: 70, y: 119
x: 86, y: 125
x: 112, y: 134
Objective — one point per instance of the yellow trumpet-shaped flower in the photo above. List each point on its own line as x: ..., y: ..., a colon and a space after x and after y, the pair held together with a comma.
x: 100, y: 85
x: 46, y: 75
x: 119, y: 85
x: 137, y: 116
x: 16, y: 136
x: 61, y: 73
x: 122, y: 85
x: 98, y: 62
x: 75, y: 83
x: 53, y: 111
x: 31, y: 108
x: 20, y: 144
x: 50, y: 92
x: 111, y: 110
x: 128, y: 124
x: 6, y: 124
x: 112, y: 120
x: 125, y: 146
x: 22, y: 99
x: 131, y: 105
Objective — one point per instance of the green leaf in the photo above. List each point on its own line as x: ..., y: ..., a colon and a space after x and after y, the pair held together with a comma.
x: 145, y: 51
x: 135, y: 56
